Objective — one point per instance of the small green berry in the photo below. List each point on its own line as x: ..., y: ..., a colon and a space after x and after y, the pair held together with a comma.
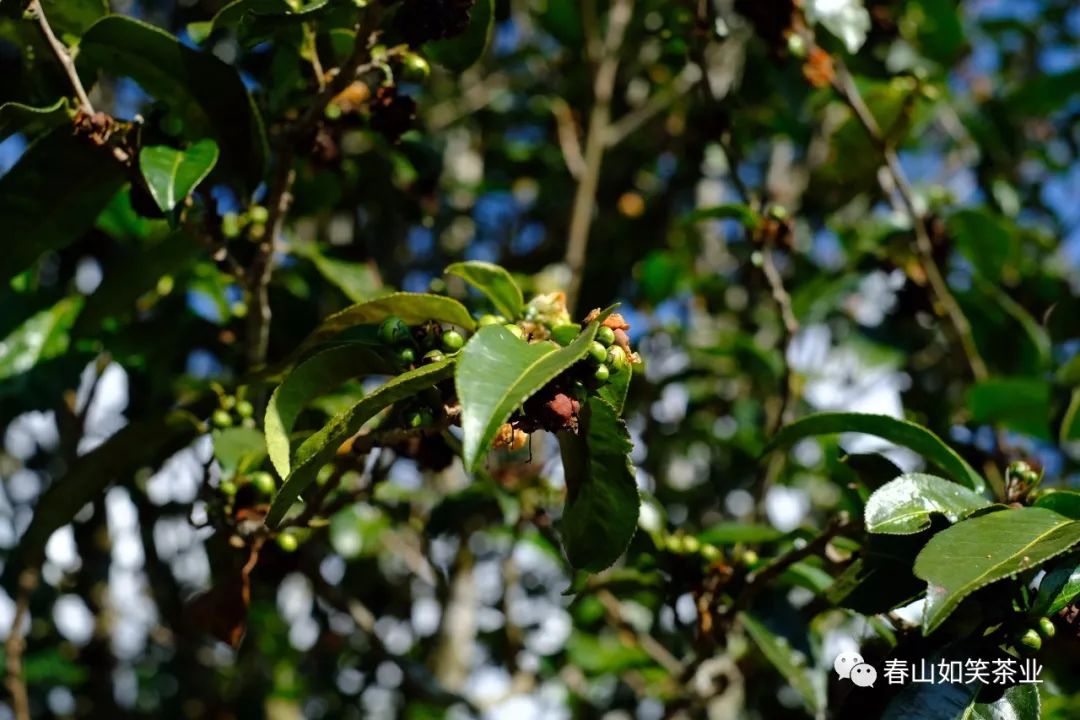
x: 515, y: 331
x: 222, y: 419
x: 486, y: 320
x: 245, y: 409
x: 565, y: 334
x: 452, y: 341
x: 394, y: 331
x: 597, y: 352
x: 263, y: 482
x: 433, y: 356
x: 406, y: 356
x: 288, y: 542
x: 1029, y: 643
x: 1046, y: 627
x: 692, y: 544
x: 258, y: 214
x: 414, y: 419
x: 605, y: 336
x: 602, y: 373
x: 227, y: 488
x: 711, y: 553
x: 616, y: 359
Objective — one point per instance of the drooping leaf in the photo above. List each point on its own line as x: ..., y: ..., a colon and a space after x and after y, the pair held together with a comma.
x: 52, y: 196
x: 1021, y: 404
x: 791, y: 663
x: 904, y: 505
x: 1058, y: 588
x: 359, y: 282
x: 497, y: 372
x: 318, y: 374
x: 42, y: 336
x: 31, y: 121
x: 981, y: 550
x: 461, y: 52
x: 139, y: 444
x: 238, y: 449
x: 732, y: 533
x: 495, y: 283
x: 901, y: 432
x: 321, y: 447
x: 172, y: 174
x: 207, y: 94
x: 412, y: 308
x: 1020, y: 702
x: 602, y: 501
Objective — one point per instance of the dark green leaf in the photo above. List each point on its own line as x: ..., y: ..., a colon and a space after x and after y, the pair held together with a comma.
x: 904, y: 506
x: 791, y: 663
x: 1021, y: 404
x: 203, y: 91
x: 495, y: 283
x: 880, y: 579
x: 1063, y: 502
x: 901, y: 432
x: 359, y: 282
x: 730, y: 211
x: 1020, y: 702
x: 52, y: 196
x: 172, y: 174
x: 983, y: 240
x: 602, y: 501
x: 318, y: 374
x: 461, y: 52
x: 976, y: 552
x: 239, y: 449
x: 31, y: 121
x: 73, y: 17
x: 732, y: 533
x: 321, y: 447
x: 497, y: 372
x: 42, y: 336
x: 1058, y: 588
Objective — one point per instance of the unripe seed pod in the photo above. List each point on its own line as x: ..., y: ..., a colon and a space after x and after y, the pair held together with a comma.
x: 221, y: 418
x: 452, y: 341
x: 263, y: 482
x: 1029, y: 642
x: 750, y: 558
x: 433, y: 356
x: 605, y: 336
x: 1047, y: 628
x: 597, y: 352
x: 692, y: 544
x: 710, y: 553
x: 227, y: 488
x: 602, y: 373
x: 245, y: 409
x: 565, y: 334
x: 486, y: 320
x: 414, y: 419
x: 515, y: 331
x: 616, y: 359
x: 288, y: 542
x: 406, y: 356
x: 416, y: 67
x: 394, y: 331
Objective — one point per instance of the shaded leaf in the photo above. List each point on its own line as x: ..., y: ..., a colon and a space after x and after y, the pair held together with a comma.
x: 901, y: 432
x: 1021, y: 404
x: 495, y: 283
x: 238, y: 449
x: 904, y: 505
x: 1058, y: 588
x: 318, y: 374
x: 30, y: 121
x: 983, y: 240
x: 976, y: 552
x: 791, y: 663
x: 730, y: 211
x: 172, y: 174
x: 497, y: 372
x: 206, y: 93
x: 1063, y: 502
x: 52, y: 196
x: 321, y: 447
x: 42, y: 336
x: 461, y: 52
x: 1020, y: 702
x: 602, y: 501
x: 731, y: 533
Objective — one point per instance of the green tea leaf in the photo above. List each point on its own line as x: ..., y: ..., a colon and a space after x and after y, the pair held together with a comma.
x: 732, y: 533
x: 901, y: 432
x: 602, y: 501
x: 31, y: 121
x: 497, y: 372
x: 1020, y: 702
x: 319, y: 374
x: 791, y: 663
x: 976, y: 552
x: 904, y: 505
x: 238, y: 449
x: 1021, y: 404
x: 321, y: 447
x: 43, y: 336
x: 1058, y: 588
x: 495, y: 283
x: 172, y: 174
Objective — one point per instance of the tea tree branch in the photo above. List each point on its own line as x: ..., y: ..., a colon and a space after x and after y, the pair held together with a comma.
x: 61, y: 52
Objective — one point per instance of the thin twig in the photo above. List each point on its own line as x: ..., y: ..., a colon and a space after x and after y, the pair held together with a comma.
x: 595, y: 142
x: 845, y: 87
x: 645, y: 641
x: 569, y: 142
x: 630, y: 122
x: 14, y: 646
x: 62, y: 54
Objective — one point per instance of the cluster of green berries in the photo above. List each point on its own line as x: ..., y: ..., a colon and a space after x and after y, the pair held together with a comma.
x: 1029, y: 640
x: 681, y: 544
x: 253, y: 221
x: 429, y: 338
x: 604, y: 354
x: 261, y: 484
x: 232, y: 411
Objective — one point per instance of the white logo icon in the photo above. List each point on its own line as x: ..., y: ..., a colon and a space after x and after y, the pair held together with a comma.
x: 845, y: 662
x: 863, y: 675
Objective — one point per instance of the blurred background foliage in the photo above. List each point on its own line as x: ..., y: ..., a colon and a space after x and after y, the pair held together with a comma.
x: 705, y: 164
